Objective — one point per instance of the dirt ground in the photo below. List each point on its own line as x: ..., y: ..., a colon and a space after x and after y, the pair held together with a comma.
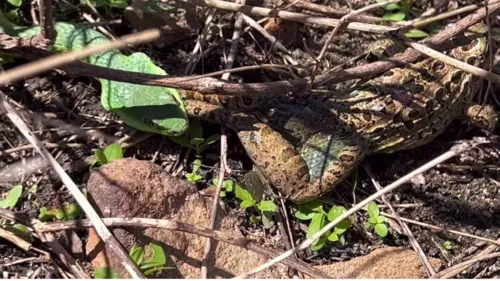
x: 462, y: 194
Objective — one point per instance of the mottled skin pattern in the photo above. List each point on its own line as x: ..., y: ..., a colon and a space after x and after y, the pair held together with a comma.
x: 306, y: 149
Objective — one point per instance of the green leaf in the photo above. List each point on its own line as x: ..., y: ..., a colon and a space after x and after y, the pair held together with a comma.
x: 158, y: 255
x: 254, y: 219
x: 242, y: 193
x: 335, y: 212
x: 267, y: 222
x: 121, y: 4
x: 209, y: 141
x: 372, y: 221
x: 157, y: 269
x: 195, y: 129
x: 316, y: 224
x: 59, y: 214
x: 105, y: 273
x: 72, y: 211
x: 342, y: 226
x: 381, y: 230
x: 390, y: 7
x: 304, y: 214
x: 315, y: 206
x: 193, y: 178
x: 448, y: 245
x: 12, y: 197
x: 228, y: 185
x: 320, y: 243
x: 333, y: 237
x: 247, y: 203
x: 137, y: 254
x: 196, y: 165
x: 100, y: 157
x: 380, y: 219
x: 45, y: 215
x: 16, y: 3
x: 416, y: 33
x: 112, y: 152
x: 398, y: 16
x: 196, y: 141
x: 20, y: 227
x: 373, y: 210
x: 267, y: 206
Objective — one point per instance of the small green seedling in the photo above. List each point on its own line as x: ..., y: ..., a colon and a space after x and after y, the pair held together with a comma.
x: 12, y: 197
x: 265, y: 208
x: 227, y: 186
x: 315, y: 212
x: 109, y: 154
x: 193, y: 138
x: 150, y: 259
x: 448, y: 245
x: 400, y: 12
x: 376, y: 221
x: 68, y: 212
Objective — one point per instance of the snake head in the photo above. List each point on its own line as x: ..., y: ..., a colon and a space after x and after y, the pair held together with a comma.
x: 471, y: 53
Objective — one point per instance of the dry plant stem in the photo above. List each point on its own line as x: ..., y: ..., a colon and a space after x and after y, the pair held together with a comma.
x: 453, y: 62
x: 101, y: 229
x: 343, y: 21
x: 334, y: 12
x: 197, y: 53
x: 274, y: 41
x: 42, y: 65
x: 455, y: 150
x: 210, y: 86
x: 46, y: 20
x: 494, y: 242
x: 450, y: 272
x: 14, y: 239
x: 285, y: 15
x: 234, y: 45
x: 229, y: 238
x: 215, y: 202
x: 404, y: 226
x: 63, y: 255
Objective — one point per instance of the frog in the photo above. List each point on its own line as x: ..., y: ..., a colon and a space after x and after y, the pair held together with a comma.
x: 306, y: 149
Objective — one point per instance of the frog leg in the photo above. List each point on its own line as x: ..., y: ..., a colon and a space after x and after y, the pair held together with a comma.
x: 481, y: 116
x: 324, y: 160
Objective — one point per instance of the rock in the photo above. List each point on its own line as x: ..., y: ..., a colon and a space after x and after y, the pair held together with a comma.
x: 386, y: 263
x: 133, y: 188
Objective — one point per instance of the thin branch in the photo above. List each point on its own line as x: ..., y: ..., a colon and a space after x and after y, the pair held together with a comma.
x: 42, y: 65
x: 290, y: 16
x: 455, y: 150
x: 413, y: 241
x: 211, y: 86
x: 47, y: 20
x: 449, y: 272
x: 453, y: 62
x: 41, y: 227
x: 101, y: 229
x: 335, y: 12
x: 491, y: 241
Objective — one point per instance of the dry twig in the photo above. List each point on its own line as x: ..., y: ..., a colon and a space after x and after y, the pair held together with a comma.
x: 455, y: 150
x: 101, y: 229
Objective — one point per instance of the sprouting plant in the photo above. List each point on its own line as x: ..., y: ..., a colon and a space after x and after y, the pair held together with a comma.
x: 150, y: 259
x: 448, y: 245
x: 376, y: 221
x: 194, y: 139
x: 314, y: 212
x: 109, y: 154
x: 264, y: 208
x: 68, y: 212
x: 400, y: 12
